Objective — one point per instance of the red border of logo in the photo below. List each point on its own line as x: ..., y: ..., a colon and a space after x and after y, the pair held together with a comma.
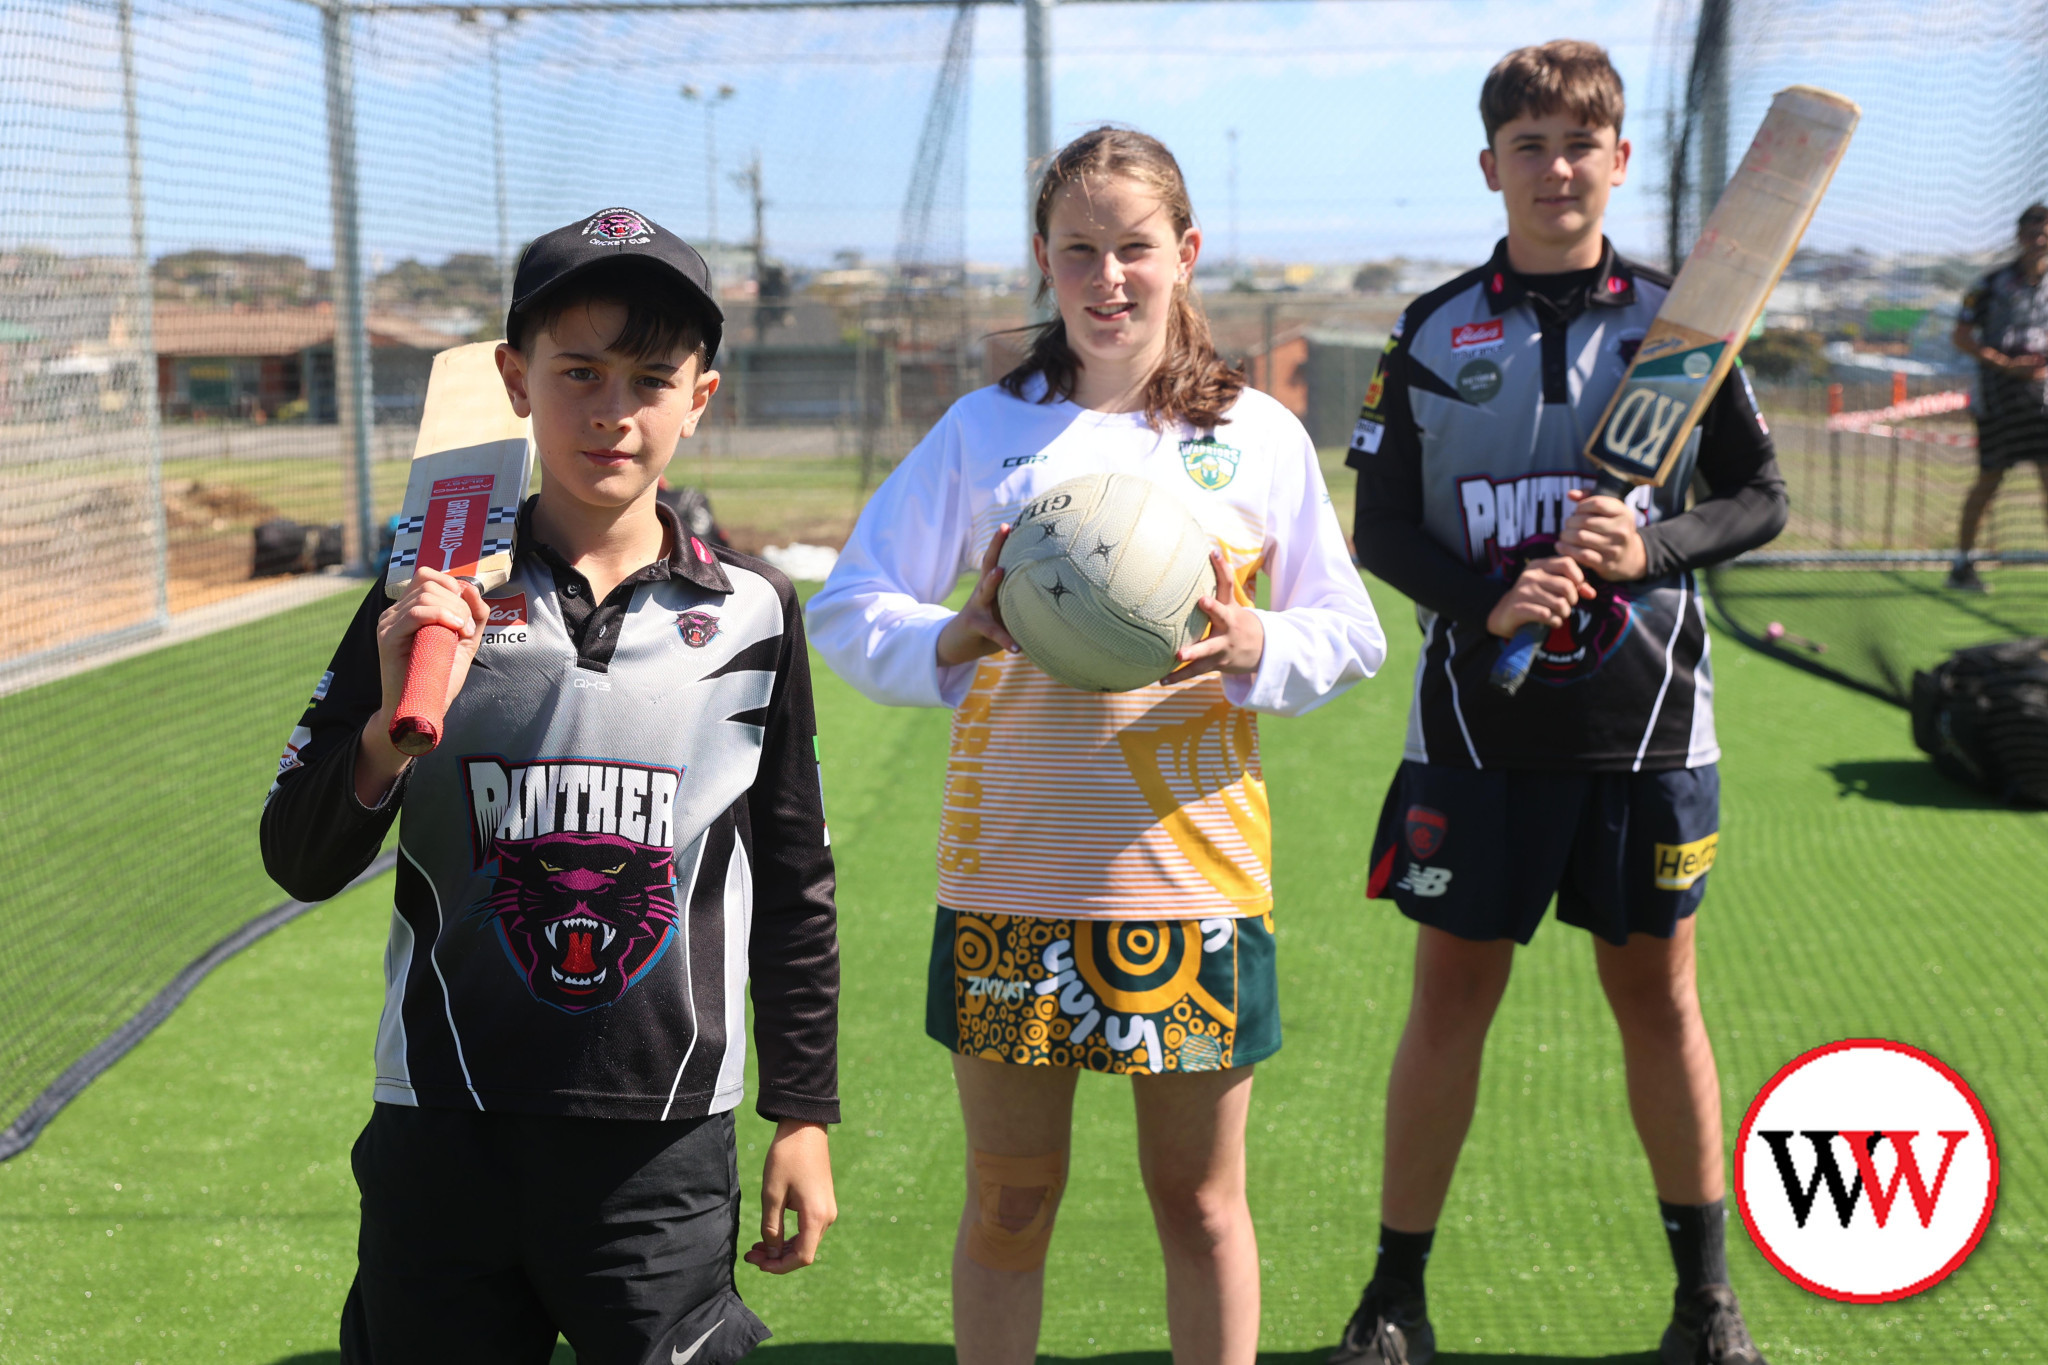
x: 1749, y: 1122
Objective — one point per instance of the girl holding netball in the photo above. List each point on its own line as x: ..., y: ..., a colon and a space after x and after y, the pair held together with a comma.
x: 1104, y: 858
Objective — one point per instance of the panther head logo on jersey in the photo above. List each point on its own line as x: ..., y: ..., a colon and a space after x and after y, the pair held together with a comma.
x: 698, y: 628
x: 1575, y: 650
x: 582, y: 916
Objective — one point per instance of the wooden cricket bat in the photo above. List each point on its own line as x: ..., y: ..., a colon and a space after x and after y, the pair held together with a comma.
x: 1720, y: 291
x: 470, y: 468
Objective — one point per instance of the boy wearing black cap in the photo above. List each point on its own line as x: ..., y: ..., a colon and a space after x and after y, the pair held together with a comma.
x: 621, y: 827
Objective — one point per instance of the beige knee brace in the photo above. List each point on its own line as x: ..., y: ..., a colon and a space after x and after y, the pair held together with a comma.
x: 991, y: 1244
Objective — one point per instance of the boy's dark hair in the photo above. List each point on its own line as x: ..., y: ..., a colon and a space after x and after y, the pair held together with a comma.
x: 661, y: 318
x: 2031, y: 214
x: 1561, y: 75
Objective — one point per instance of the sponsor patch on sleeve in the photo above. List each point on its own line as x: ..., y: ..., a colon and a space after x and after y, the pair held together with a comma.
x: 1749, y: 392
x: 1367, y: 435
x: 289, y: 759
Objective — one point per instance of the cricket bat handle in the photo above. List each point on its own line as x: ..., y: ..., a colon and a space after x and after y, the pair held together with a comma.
x: 1518, y: 652
x: 423, y: 705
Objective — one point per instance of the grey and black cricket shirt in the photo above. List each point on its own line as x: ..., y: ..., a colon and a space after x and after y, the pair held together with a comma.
x: 621, y: 827
x: 2010, y: 314
x: 1469, y: 439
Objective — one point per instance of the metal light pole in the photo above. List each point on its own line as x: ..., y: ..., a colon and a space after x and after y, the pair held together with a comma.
x: 498, y: 174
x: 1037, y: 86
x: 711, y: 99
x: 351, y: 315
x: 144, y: 340
x: 1231, y: 134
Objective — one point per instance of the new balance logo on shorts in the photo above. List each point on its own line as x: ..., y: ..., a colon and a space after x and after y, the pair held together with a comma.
x: 1425, y: 881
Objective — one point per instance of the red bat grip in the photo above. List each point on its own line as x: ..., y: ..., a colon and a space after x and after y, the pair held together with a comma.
x: 423, y: 705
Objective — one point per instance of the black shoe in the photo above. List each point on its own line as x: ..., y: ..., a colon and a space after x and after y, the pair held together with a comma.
x: 1707, y: 1329
x: 1388, y: 1329
x: 1963, y: 578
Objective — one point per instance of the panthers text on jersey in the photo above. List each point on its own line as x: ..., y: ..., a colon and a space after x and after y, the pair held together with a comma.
x: 1470, y: 442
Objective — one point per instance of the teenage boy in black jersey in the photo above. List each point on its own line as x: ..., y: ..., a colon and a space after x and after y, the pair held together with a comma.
x: 1597, y: 782
x: 622, y: 826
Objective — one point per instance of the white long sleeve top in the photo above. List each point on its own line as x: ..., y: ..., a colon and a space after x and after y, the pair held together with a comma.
x: 1141, y: 804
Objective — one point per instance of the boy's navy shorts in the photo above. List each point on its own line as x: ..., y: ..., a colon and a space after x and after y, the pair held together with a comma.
x: 486, y: 1234
x: 1479, y: 853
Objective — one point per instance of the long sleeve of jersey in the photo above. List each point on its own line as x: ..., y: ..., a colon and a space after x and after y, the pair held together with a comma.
x: 1322, y: 634
x: 1387, y: 523
x: 877, y: 621
x: 878, y: 617
x: 1744, y: 506
x: 793, y: 948
x: 316, y: 836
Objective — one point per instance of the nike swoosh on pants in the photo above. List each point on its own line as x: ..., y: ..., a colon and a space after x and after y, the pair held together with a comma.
x: 682, y: 1357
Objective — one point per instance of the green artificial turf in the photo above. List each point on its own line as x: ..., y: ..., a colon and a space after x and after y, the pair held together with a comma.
x: 200, y: 1193
x: 1878, y: 625
x: 128, y: 826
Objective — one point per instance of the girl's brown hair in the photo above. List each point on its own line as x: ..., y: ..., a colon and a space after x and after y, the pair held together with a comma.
x: 1192, y: 383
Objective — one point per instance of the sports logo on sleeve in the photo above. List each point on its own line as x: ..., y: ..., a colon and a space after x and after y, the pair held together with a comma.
x: 289, y: 759
x: 584, y: 901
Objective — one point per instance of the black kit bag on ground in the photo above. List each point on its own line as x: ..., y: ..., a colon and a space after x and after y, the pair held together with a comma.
x: 693, y: 508
x: 284, y: 546
x: 1982, y: 716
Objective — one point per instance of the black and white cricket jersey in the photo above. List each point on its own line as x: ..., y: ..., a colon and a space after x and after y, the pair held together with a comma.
x: 622, y: 825
x: 1470, y: 437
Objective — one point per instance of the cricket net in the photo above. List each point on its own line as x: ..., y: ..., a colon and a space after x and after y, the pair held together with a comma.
x: 233, y: 233
x: 1867, y: 396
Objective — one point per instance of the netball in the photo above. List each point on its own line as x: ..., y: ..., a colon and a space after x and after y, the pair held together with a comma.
x: 1102, y: 574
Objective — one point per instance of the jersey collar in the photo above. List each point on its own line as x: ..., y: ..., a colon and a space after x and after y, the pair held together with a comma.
x: 688, y: 557
x: 1613, y: 287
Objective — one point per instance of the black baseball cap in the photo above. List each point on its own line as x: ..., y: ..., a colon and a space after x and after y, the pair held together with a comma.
x: 614, y: 234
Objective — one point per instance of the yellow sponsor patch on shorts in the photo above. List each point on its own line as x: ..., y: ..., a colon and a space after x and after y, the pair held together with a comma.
x: 1680, y: 865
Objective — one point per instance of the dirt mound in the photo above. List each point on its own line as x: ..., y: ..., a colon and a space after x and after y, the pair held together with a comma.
x: 190, y: 504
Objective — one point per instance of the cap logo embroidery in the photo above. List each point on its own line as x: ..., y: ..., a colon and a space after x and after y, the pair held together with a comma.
x: 618, y: 227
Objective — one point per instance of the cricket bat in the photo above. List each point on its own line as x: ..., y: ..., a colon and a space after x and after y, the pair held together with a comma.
x: 470, y: 469
x: 1692, y: 342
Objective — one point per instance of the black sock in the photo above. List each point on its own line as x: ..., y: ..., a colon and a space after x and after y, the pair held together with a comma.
x: 1698, y: 1243
x: 1403, y: 1258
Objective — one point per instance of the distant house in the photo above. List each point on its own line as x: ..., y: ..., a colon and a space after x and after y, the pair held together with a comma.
x: 269, y: 363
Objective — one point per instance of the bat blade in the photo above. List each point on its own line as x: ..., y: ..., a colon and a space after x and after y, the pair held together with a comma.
x: 1721, y: 289
x: 470, y: 468
x: 1720, y: 292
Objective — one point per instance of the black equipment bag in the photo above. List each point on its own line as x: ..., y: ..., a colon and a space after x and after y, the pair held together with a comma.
x: 1982, y: 715
x: 693, y: 508
x: 284, y: 546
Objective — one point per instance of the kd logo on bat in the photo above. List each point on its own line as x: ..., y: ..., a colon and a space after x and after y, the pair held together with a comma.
x: 1866, y: 1171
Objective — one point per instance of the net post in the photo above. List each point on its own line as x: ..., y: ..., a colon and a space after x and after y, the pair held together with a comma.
x: 351, y: 316
x: 1891, y: 483
x: 144, y: 339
